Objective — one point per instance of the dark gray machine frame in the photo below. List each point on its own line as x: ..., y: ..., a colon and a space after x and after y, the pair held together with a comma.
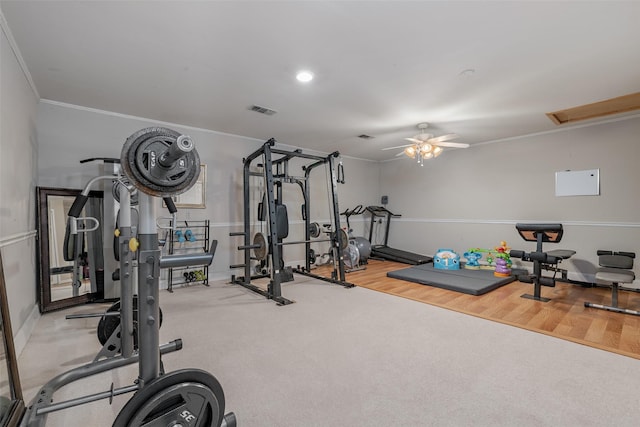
x: 151, y: 380
x: 281, y: 175
x: 540, y: 233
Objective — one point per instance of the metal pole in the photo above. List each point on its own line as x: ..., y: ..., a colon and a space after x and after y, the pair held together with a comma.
x: 336, y: 215
x: 148, y: 290
x: 307, y: 220
x: 247, y: 219
x: 273, y: 227
x: 126, y: 269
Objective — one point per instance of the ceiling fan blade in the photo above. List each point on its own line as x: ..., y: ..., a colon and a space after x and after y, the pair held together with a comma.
x: 400, y: 154
x: 414, y: 140
x: 443, y: 138
x: 398, y: 146
x: 452, y: 144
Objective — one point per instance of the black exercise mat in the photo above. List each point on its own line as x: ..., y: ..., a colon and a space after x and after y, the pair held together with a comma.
x: 473, y: 282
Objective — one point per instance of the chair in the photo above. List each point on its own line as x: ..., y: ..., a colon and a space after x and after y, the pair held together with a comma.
x: 615, y: 268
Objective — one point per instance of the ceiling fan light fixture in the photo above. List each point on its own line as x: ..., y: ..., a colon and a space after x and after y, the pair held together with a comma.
x: 426, y: 148
x: 410, y: 151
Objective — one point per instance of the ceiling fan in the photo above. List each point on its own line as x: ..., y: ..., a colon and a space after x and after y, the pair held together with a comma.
x: 425, y: 146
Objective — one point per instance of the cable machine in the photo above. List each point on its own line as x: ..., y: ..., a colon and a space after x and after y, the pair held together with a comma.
x: 268, y: 249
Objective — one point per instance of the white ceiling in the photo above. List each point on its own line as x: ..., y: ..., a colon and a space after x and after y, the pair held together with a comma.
x: 381, y: 67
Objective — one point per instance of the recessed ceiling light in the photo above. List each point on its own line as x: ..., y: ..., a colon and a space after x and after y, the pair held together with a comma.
x: 304, y: 76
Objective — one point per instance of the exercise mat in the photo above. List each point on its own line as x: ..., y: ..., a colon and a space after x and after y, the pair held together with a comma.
x: 473, y: 282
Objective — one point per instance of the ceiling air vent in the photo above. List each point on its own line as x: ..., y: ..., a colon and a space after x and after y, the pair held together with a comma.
x: 365, y: 136
x: 621, y: 104
x: 262, y: 110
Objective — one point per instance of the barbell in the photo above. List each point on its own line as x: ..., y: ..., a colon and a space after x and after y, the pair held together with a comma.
x: 261, y: 251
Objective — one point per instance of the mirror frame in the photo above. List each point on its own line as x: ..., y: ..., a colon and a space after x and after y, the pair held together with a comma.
x: 16, y: 409
x: 44, y: 282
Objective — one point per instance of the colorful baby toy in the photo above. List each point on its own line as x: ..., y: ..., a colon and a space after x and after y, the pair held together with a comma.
x: 500, y: 254
x: 446, y: 259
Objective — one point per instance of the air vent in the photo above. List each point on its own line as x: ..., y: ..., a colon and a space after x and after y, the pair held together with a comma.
x: 365, y: 136
x: 262, y: 110
x: 621, y: 104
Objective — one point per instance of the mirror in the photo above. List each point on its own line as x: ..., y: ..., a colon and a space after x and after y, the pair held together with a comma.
x: 69, y: 275
x: 11, y: 400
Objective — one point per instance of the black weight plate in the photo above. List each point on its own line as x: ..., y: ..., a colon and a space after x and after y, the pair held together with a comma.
x: 172, y: 399
x: 314, y: 229
x: 108, y: 324
x: 344, y: 239
x: 262, y: 252
x: 139, y: 163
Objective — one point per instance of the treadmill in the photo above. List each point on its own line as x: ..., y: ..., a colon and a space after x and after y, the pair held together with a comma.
x: 386, y: 252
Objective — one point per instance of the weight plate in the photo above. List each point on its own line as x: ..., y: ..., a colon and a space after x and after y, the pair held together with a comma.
x: 188, y: 397
x: 108, y: 324
x: 262, y: 252
x: 139, y: 159
x: 314, y: 229
x: 345, y: 239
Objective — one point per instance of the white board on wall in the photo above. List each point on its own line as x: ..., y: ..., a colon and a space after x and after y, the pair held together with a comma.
x: 578, y: 183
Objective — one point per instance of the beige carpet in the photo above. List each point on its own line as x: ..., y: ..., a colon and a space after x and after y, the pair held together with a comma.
x: 352, y: 357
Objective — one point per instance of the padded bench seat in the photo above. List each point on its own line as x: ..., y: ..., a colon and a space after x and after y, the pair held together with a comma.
x: 561, y: 253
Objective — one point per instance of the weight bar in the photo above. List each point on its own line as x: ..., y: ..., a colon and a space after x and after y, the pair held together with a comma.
x: 261, y: 252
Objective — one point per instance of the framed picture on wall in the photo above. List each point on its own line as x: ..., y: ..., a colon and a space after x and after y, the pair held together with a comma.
x: 194, y: 198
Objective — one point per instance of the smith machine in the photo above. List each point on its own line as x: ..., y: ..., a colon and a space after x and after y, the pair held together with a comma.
x: 268, y: 250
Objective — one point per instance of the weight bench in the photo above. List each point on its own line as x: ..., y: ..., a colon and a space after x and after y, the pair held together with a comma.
x: 541, y: 233
x: 615, y: 268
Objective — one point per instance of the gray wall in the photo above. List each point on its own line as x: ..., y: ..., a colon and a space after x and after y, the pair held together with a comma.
x: 68, y: 134
x: 473, y: 197
x: 18, y: 168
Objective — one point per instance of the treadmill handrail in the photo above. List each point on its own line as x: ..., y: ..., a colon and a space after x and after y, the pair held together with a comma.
x: 375, y: 210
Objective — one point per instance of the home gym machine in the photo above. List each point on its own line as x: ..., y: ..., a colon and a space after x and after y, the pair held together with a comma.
x: 384, y: 251
x: 97, y: 229
x: 159, y: 162
x: 541, y: 233
x: 268, y: 249
x: 110, y: 329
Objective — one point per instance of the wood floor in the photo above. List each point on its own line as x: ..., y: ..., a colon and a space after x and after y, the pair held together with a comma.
x: 563, y: 317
